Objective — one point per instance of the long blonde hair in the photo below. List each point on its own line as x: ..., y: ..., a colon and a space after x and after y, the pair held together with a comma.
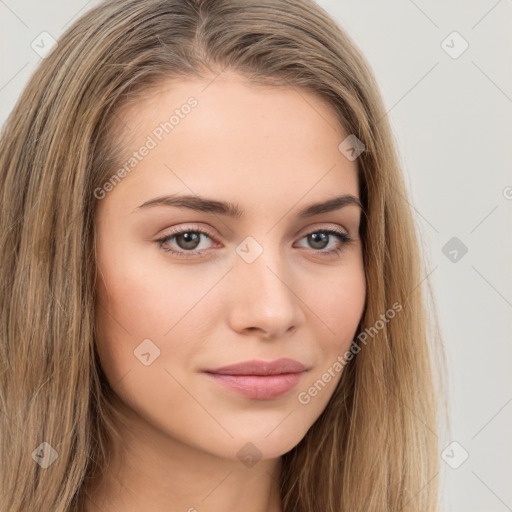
x: 375, y: 445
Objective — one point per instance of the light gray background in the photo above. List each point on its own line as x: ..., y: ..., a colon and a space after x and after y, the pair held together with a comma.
x: 452, y: 121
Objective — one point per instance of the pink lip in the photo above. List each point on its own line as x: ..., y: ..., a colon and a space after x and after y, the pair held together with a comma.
x: 261, y: 380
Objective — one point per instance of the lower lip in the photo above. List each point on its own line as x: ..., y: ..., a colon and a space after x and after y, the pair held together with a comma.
x: 260, y: 387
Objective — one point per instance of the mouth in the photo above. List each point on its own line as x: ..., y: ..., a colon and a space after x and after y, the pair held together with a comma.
x: 260, y: 380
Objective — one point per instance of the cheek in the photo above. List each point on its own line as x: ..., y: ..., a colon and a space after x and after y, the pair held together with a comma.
x: 338, y: 307
x: 138, y: 294
x: 141, y: 318
x: 137, y: 301
x: 348, y: 306
x: 339, y: 304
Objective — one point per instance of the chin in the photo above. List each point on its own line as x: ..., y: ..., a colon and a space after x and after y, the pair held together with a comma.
x: 264, y: 446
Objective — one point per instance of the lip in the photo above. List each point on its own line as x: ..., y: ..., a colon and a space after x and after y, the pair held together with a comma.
x: 258, y: 367
x: 261, y: 380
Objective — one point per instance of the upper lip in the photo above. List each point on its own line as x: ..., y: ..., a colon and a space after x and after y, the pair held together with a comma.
x: 255, y: 367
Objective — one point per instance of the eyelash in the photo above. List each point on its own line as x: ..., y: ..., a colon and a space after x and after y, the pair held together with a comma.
x: 341, y: 235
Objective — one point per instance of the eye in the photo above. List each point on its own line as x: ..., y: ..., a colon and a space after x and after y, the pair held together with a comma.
x: 319, y: 239
x: 188, y: 240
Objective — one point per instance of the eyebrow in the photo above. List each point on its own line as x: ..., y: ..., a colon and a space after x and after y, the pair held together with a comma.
x: 203, y: 204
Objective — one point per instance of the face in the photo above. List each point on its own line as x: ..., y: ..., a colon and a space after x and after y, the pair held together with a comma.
x: 185, y: 288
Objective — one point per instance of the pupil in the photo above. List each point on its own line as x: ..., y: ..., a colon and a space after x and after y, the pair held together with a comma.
x: 315, y: 236
x: 191, y: 240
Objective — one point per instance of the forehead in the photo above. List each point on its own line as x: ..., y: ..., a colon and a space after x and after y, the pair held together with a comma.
x: 281, y: 141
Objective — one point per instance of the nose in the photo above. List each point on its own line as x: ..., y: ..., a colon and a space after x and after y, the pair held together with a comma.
x: 265, y: 302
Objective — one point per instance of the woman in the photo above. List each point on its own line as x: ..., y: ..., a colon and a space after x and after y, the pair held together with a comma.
x: 278, y: 357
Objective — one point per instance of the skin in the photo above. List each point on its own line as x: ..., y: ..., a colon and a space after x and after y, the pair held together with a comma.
x: 271, y: 151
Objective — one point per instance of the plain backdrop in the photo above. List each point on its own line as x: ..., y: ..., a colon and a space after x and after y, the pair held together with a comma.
x: 444, y: 69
